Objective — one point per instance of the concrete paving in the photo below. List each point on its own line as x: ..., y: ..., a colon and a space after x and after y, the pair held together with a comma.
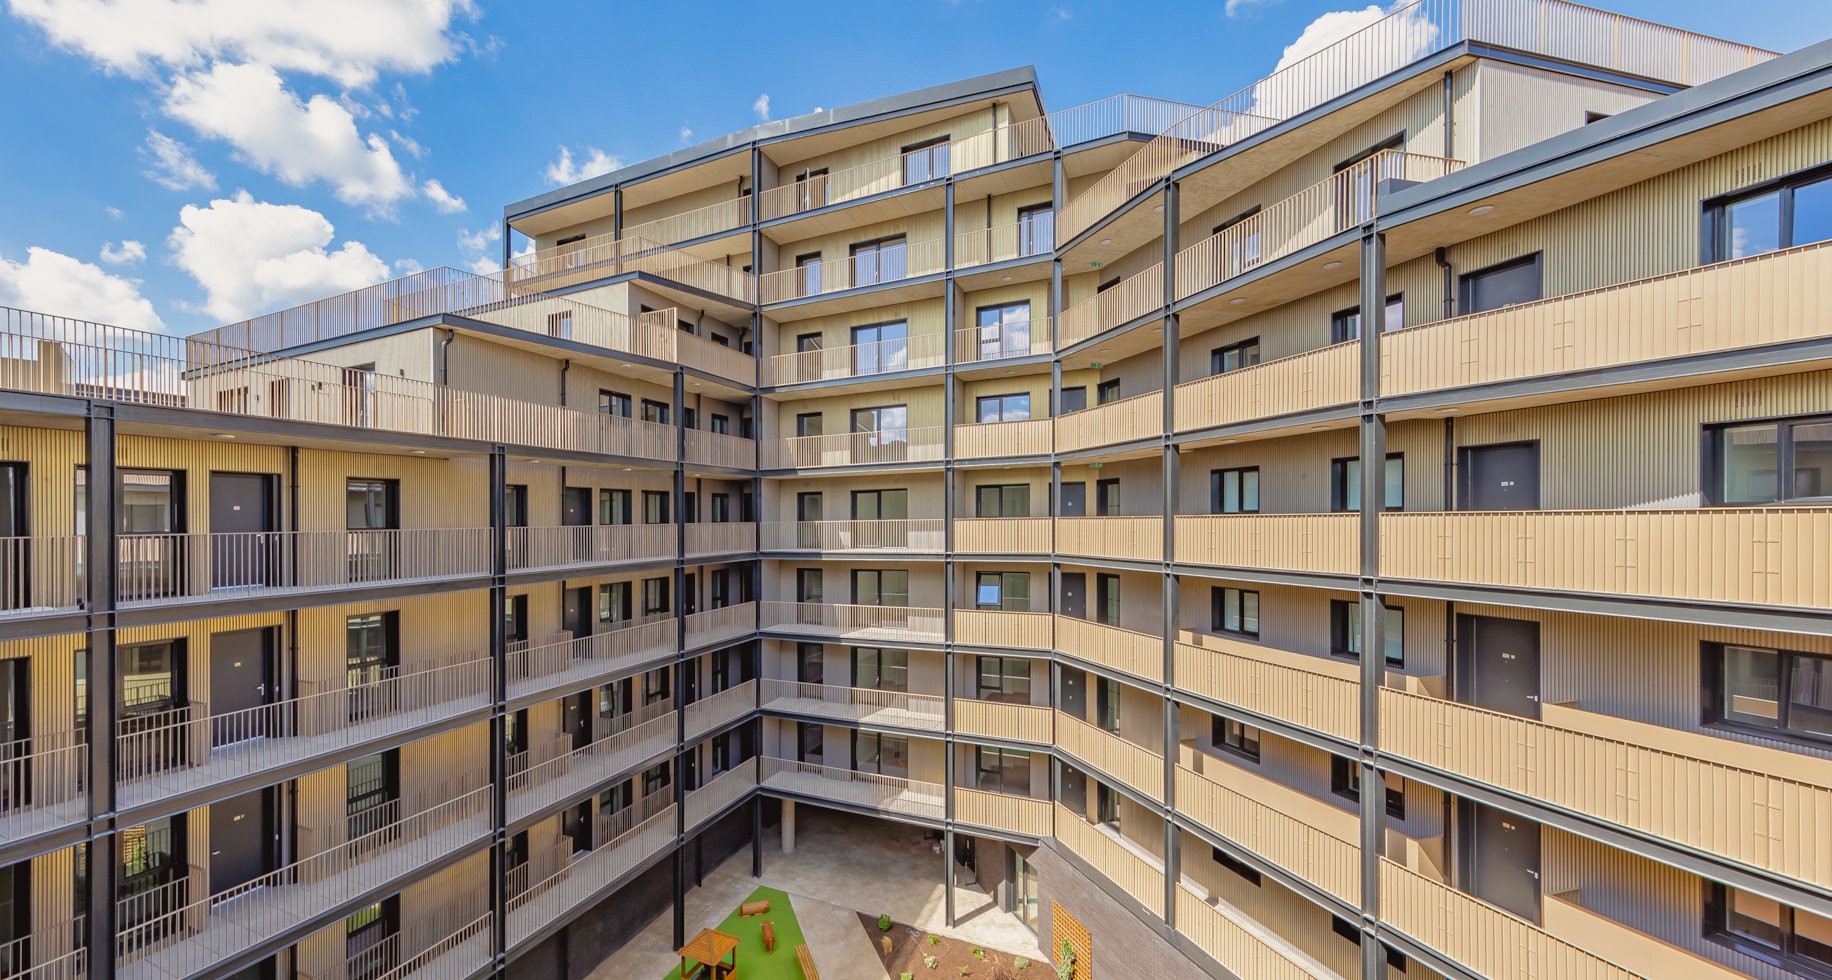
x: 840, y: 863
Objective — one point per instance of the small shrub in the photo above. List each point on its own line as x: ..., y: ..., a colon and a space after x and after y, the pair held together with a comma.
x: 963, y: 971
x: 930, y: 962
x: 889, y: 947
x: 906, y: 975
x: 978, y: 953
x: 934, y: 940
x: 884, y: 923
x: 1020, y: 963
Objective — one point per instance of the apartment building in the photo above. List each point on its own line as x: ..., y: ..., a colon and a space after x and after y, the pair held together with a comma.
x: 997, y: 472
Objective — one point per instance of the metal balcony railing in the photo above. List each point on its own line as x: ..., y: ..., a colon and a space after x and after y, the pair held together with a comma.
x: 898, y: 709
x: 888, y: 623
x: 567, y: 661
x: 877, y: 267
x: 863, y: 789
x: 588, y: 544
x: 640, y: 737
x: 920, y: 534
x: 719, y: 708
x: 42, y: 783
x: 857, y: 360
x: 627, y: 838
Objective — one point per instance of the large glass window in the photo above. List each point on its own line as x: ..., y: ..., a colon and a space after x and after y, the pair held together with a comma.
x: 1345, y: 631
x: 1779, y: 690
x: 613, y: 403
x: 1795, y: 212
x: 655, y: 506
x: 1107, y: 599
x: 1771, y: 462
x: 885, y: 260
x: 1234, y: 491
x: 1009, y: 591
x: 1009, y: 500
x: 1002, y: 331
x: 927, y: 160
x: 880, y: 347
x: 655, y: 596
x: 881, y: 586
x: 1237, y: 737
x: 1002, y: 408
x: 880, y: 434
x: 1004, y: 679
x: 372, y: 504
x: 1003, y: 770
x: 1036, y: 229
x: 1509, y: 283
x: 371, y: 647
x: 880, y: 505
x: 1798, y: 941
x: 1233, y: 357
x: 1345, y: 483
x: 614, y: 507
x: 1234, y: 611
x: 881, y: 670
x: 614, y: 602
x: 1346, y: 324
x: 887, y: 755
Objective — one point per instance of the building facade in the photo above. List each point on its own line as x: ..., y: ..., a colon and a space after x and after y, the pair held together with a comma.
x: 1000, y: 472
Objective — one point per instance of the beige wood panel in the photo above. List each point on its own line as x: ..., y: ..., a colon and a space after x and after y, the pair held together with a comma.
x: 926, y: 585
x: 693, y: 200
x: 929, y: 226
x: 954, y: 127
x: 928, y: 760
x: 445, y: 627
x: 924, y: 318
x: 404, y: 355
x: 457, y: 759
x: 197, y: 459
x: 476, y: 364
x: 52, y: 899
x: 321, y: 803
x: 925, y: 408
x: 996, y: 210
x: 1141, y: 484
x: 448, y: 493
x: 1302, y: 925
x: 1647, y: 229
x: 1585, y: 457
x: 1295, y: 473
x: 51, y: 457
x: 1526, y: 105
x: 925, y: 494
x: 51, y: 676
x: 583, y: 382
x: 196, y: 636
x: 1141, y: 603
x: 1037, y: 294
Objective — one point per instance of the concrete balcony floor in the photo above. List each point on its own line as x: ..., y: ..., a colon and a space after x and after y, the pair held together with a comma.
x: 838, y: 858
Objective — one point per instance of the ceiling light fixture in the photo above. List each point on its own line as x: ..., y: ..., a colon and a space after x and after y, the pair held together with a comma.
x: 1106, y: 241
x: 1331, y: 266
x: 1481, y: 209
x: 224, y: 435
x: 1236, y: 301
x: 1159, y: 209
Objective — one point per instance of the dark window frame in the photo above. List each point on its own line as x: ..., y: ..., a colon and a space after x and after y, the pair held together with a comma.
x: 1466, y: 281
x: 1711, y: 460
x: 1218, y: 605
x: 1712, y: 227
x: 1713, y: 688
x: 1236, y: 737
x: 1339, y: 631
x: 1716, y: 929
x: 1217, y: 481
x: 1219, y: 355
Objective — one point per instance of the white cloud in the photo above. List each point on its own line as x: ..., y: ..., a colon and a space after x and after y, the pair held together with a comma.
x: 171, y: 164
x: 127, y: 253
x: 347, y: 41
x: 251, y: 256
x: 1062, y: 13
x: 1356, y: 47
x: 298, y: 142
x: 407, y: 267
x: 445, y: 201
x: 475, y: 247
x: 51, y: 282
x: 407, y: 143
x: 762, y: 107
x: 686, y: 134
x: 1234, y: 7
x: 563, y: 170
x: 113, y: 212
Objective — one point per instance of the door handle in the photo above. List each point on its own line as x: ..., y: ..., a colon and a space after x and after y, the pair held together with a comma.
x: 1535, y: 874
x: 1533, y: 698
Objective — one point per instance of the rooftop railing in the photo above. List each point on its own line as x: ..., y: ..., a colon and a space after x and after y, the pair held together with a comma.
x: 603, y: 256
x: 1551, y: 28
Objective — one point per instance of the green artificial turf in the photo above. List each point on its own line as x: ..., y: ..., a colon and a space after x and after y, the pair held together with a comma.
x: 753, y: 962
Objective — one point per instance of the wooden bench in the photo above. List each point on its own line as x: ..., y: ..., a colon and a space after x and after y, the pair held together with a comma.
x: 807, y: 963
x: 769, y: 936
x: 749, y: 909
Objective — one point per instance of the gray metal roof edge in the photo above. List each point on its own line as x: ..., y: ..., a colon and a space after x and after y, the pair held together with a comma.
x: 1789, y: 76
x: 775, y: 129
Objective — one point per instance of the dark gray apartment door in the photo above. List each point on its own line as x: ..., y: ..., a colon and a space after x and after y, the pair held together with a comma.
x: 1501, y: 859
x: 1075, y: 594
x: 1504, y: 477
x: 1074, y: 500
x: 15, y: 787
x: 579, y: 719
x: 1075, y: 692
x: 239, y: 681
x: 240, y: 840
x: 576, y: 506
x: 242, y: 518
x: 577, y: 612
x: 1499, y: 664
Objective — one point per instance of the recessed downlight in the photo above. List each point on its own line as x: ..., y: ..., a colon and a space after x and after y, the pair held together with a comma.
x: 1005, y: 279
x: 1106, y: 241
x: 1236, y: 301
x: 1159, y: 209
x: 1481, y: 209
x: 1331, y: 266
x: 223, y: 435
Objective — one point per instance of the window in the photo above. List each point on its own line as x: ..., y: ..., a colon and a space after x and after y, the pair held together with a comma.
x: 1345, y: 631
x: 614, y: 602
x: 1004, y: 500
x: 1233, y: 357
x: 655, y: 686
x: 1796, y: 210
x: 654, y: 411
x: 368, y: 505
x: 515, y: 618
x: 808, y: 424
x: 881, y: 670
x: 1236, y: 737
x: 152, y: 677
x: 655, y: 596
x: 721, y: 508
x: 808, y: 585
x: 887, y: 755
x: 1241, y: 250
x: 373, y: 782
x: 1228, y: 861
x: 515, y: 505
x: 1234, y: 491
x: 1004, y: 679
x: 1795, y: 940
x: 1346, y: 324
x: 1107, y: 498
x: 1751, y: 463
x: 807, y: 342
x: 690, y: 418
x: 655, y: 506
x: 721, y: 424
x: 1036, y: 229
x: 810, y: 662
x: 1009, y: 591
x: 655, y: 780
x: 613, y: 403
x: 1345, y: 781
x: 881, y: 347
x: 808, y: 271
x: 927, y: 160
x: 1002, y: 331
x: 1002, y: 408
x: 614, y: 507
x: 881, y: 587
x: 1107, y: 599
x: 1107, y: 704
x: 1781, y: 692
x: 880, y: 505
x: 371, y: 647
x: 884, y: 260
x: 690, y: 507
x: 1345, y: 483
x: 1506, y: 284
x: 1106, y: 805
x: 1074, y: 399
x: 1234, y: 611
x: 1002, y: 770
x: 1107, y: 391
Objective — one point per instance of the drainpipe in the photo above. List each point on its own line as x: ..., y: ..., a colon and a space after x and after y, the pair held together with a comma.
x: 565, y: 369
x: 445, y: 356
x: 1450, y: 296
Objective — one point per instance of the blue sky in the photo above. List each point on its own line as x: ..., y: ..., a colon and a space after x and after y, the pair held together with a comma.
x: 173, y: 164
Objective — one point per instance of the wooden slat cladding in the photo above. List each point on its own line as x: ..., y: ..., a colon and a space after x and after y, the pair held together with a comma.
x: 1065, y: 928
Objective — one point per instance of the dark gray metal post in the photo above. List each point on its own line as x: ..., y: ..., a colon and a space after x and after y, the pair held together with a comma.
x: 100, y: 554
x: 1373, y: 611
